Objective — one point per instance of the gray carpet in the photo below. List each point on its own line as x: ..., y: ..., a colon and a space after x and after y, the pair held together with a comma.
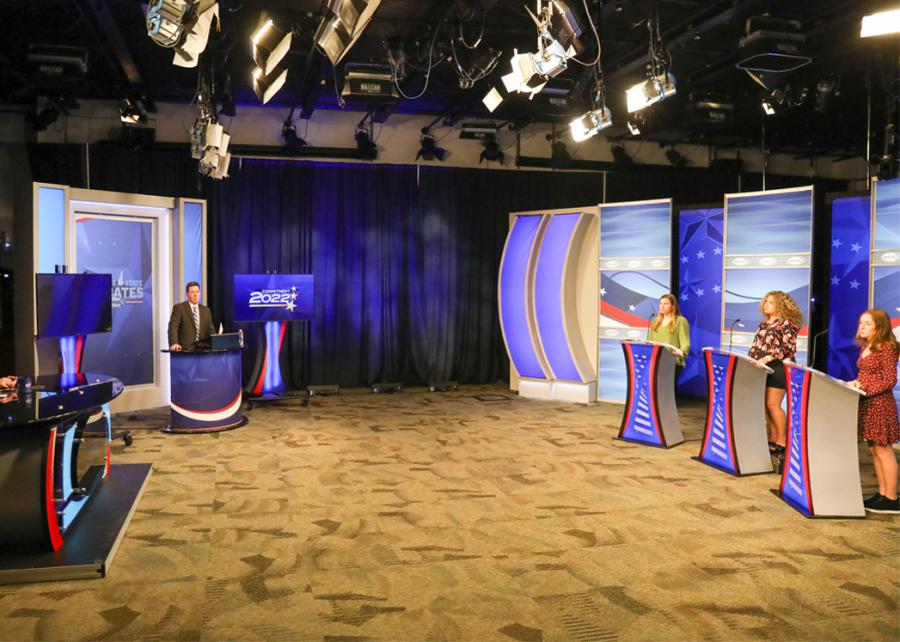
x: 472, y: 515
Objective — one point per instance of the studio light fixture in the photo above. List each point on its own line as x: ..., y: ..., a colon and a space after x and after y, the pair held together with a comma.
x: 292, y: 142
x: 634, y: 127
x: 557, y: 43
x: 182, y: 25
x: 428, y: 149
x: 590, y: 124
x: 880, y: 24
x: 491, y: 151
x: 365, y: 146
x: 269, y: 46
x: 650, y: 91
x: 343, y: 24
x: 620, y: 156
x: 675, y: 159
x: 132, y: 111
x: 776, y: 102
x: 209, y: 144
x: 660, y: 82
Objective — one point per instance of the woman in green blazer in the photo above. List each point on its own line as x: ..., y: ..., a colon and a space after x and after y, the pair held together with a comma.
x: 672, y: 328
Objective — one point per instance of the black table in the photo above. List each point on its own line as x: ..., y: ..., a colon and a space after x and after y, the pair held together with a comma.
x: 48, y: 468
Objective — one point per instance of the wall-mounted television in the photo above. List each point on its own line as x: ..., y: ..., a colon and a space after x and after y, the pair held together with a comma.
x: 70, y: 304
x: 273, y: 297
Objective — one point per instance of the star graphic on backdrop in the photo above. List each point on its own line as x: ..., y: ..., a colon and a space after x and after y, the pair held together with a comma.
x: 602, y: 291
x: 699, y: 292
x: 631, y: 307
x: 854, y: 284
x: 835, y: 280
x: 701, y: 254
x: 717, y: 289
x: 836, y: 243
x: 290, y: 306
x: 717, y: 250
x: 684, y: 296
x: 856, y: 247
x: 293, y: 288
x: 684, y: 259
x: 294, y: 296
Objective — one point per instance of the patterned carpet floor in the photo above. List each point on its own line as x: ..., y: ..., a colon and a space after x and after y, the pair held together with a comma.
x: 470, y: 515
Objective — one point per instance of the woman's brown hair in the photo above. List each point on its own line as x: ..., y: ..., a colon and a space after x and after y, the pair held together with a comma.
x: 785, y: 306
x: 675, y: 313
x: 883, y: 333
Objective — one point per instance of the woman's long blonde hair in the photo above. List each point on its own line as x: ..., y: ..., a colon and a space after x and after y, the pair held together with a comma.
x: 884, y: 336
x: 671, y: 298
x: 785, y: 305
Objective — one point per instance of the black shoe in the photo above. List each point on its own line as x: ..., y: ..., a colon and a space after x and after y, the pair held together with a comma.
x: 871, y: 501
x: 885, y: 505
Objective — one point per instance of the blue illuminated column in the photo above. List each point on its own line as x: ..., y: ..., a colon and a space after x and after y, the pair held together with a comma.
x: 266, y: 379
x: 516, y: 297
x: 554, y: 298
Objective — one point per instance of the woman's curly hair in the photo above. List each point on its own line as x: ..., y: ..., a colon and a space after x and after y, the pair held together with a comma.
x: 785, y: 306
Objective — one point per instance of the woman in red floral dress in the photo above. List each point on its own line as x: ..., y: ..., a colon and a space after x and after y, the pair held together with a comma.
x: 878, y: 423
x: 776, y: 342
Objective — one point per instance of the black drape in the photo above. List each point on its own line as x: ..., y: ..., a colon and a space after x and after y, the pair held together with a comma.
x: 405, y: 258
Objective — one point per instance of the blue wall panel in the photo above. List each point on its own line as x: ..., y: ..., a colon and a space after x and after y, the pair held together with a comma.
x: 700, y: 289
x: 849, y: 281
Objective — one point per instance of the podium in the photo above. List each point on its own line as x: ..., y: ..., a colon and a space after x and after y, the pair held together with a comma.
x: 651, y: 416
x: 206, y: 393
x: 735, y: 438
x: 821, y: 470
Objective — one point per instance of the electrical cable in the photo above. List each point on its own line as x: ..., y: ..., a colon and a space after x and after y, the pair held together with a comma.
x: 462, y: 36
x: 596, y: 61
x: 437, y: 29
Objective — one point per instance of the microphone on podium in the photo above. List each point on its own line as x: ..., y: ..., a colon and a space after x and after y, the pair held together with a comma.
x: 812, y: 361
x: 650, y: 322
x: 737, y: 322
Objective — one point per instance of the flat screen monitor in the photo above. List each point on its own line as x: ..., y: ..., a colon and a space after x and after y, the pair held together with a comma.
x: 273, y: 297
x: 70, y: 304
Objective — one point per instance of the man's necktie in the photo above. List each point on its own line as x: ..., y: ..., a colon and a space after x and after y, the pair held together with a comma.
x: 195, y: 310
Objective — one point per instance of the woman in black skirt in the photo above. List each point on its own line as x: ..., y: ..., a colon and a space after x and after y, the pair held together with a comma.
x: 776, y: 342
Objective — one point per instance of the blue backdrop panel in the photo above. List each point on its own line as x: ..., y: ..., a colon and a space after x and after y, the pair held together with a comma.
x: 849, y: 291
x: 514, y: 297
x: 193, y: 244
x: 613, y: 385
x: 768, y: 246
x: 635, y: 230
x: 887, y: 214
x: 766, y: 224
x: 886, y: 255
x: 124, y: 249
x: 635, y: 248
x: 700, y: 289
x: 548, y: 300
x: 51, y: 228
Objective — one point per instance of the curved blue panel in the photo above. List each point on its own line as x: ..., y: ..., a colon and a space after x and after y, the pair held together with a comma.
x: 513, y: 297
x: 548, y: 301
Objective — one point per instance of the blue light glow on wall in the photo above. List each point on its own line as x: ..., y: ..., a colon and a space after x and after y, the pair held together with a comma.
x: 51, y: 228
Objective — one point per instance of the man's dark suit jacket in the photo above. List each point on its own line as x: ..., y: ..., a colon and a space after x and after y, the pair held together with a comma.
x: 181, y: 325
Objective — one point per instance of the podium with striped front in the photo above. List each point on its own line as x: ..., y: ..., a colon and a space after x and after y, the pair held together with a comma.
x: 651, y: 416
x: 735, y: 439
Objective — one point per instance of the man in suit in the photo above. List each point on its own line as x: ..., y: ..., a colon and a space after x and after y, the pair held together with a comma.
x: 190, y: 321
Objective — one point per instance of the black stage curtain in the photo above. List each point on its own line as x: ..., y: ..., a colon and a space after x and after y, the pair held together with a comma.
x: 405, y: 258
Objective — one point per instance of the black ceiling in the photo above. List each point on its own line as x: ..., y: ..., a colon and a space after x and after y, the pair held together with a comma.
x: 701, y: 36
